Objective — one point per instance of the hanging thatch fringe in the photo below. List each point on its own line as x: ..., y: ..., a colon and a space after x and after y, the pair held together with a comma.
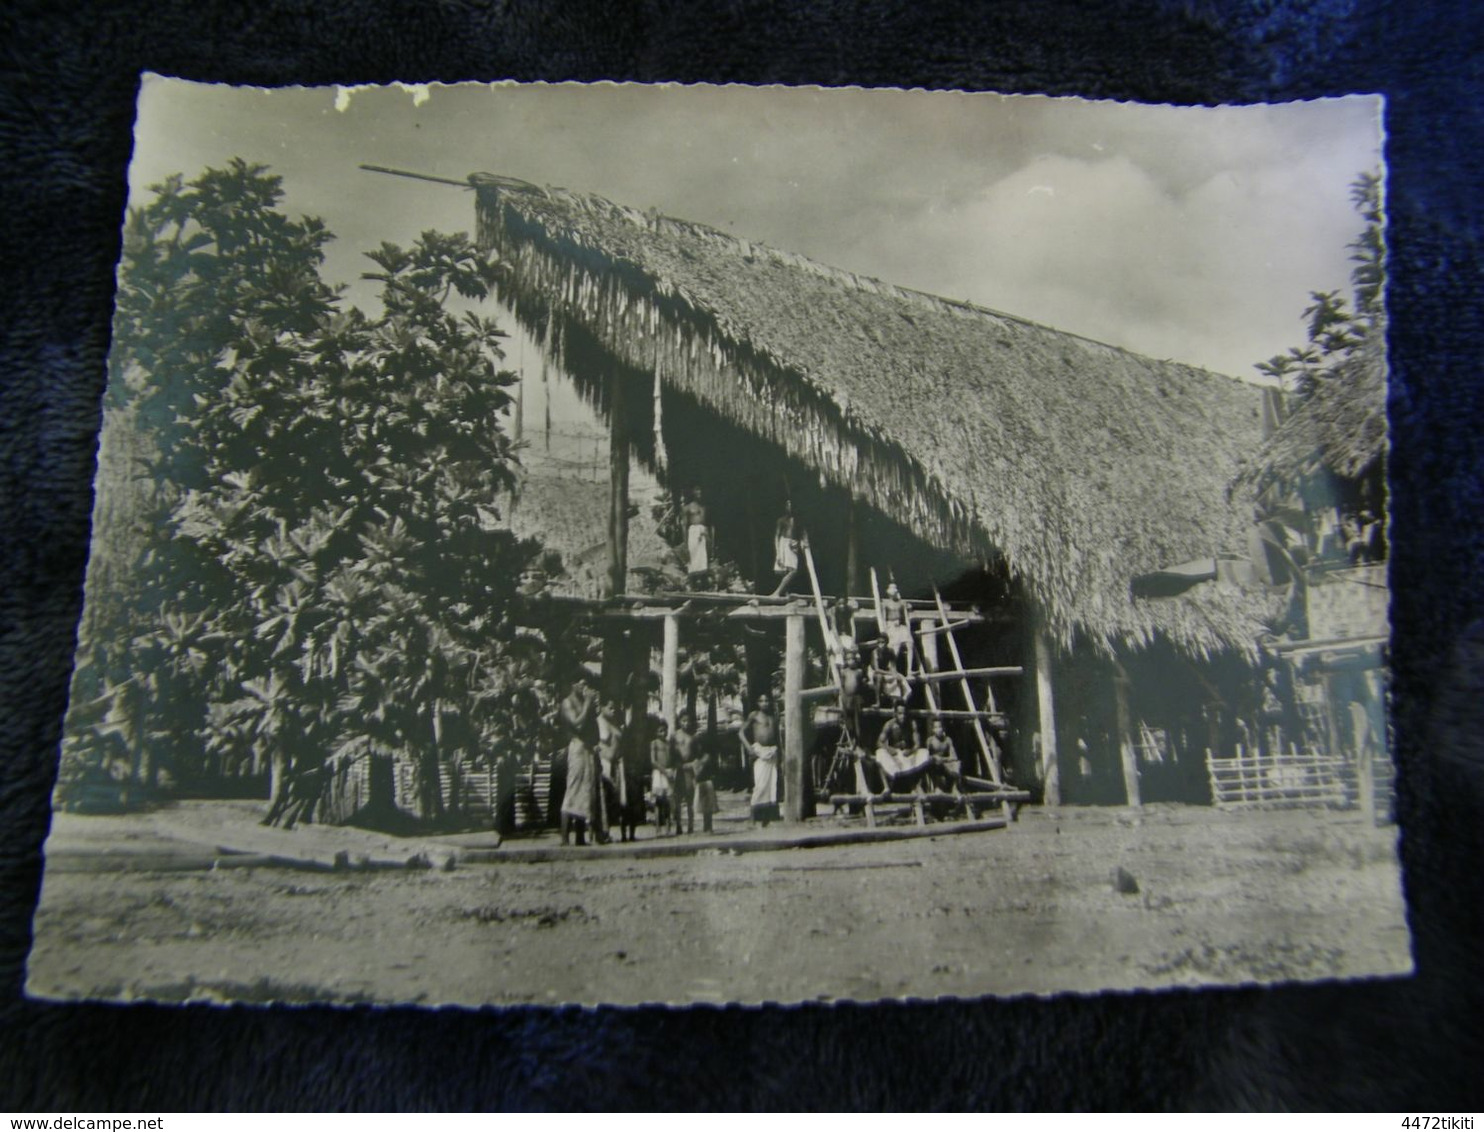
x: 1080, y: 463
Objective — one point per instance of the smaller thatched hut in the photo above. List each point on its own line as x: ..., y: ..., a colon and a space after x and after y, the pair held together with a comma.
x: 1320, y: 488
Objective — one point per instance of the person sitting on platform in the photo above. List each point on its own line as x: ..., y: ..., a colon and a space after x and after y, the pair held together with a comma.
x: 899, y: 754
x: 662, y: 776
x: 843, y: 611
x: 891, y: 685
x: 896, y: 627
x: 945, y: 770
x: 788, y: 540
x: 697, y: 541
x: 761, y: 746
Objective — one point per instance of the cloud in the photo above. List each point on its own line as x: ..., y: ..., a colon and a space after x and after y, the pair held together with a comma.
x: 1187, y: 233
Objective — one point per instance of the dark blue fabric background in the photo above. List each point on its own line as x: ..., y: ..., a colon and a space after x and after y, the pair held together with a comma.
x: 66, y: 104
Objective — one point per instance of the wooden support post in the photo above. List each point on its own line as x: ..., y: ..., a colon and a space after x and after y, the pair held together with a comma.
x: 1046, y: 715
x: 518, y: 424
x: 795, y: 801
x: 852, y: 546
x: 1125, y: 736
x: 669, y: 671
x: 990, y: 765
x: 618, y: 491
x: 615, y: 665
x: 1365, y: 762
x: 927, y: 644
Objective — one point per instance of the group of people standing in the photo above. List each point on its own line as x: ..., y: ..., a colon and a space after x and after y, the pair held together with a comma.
x: 698, y: 550
x: 607, y: 778
x: 902, y: 757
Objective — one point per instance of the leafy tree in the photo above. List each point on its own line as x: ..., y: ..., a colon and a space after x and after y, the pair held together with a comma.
x: 198, y: 262
x: 341, y: 579
x: 1335, y: 330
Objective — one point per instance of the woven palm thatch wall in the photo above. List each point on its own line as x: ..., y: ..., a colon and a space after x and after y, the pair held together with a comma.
x: 1082, y: 464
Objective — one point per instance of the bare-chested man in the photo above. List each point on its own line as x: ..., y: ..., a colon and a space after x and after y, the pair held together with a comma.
x: 898, y: 753
x: 946, y: 768
x: 697, y: 540
x: 760, y: 741
x: 662, y: 776
x: 788, y: 541
x: 685, y: 749
x: 852, y: 698
x: 891, y: 685
x: 896, y: 627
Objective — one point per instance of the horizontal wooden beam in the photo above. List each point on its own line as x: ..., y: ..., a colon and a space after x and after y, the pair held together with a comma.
x: 928, y: 713
x: 975, y: 673
x: 933, y: 630
x: 978, y: 798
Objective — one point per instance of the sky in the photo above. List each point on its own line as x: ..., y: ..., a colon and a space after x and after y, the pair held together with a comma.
x: 1194, y: 234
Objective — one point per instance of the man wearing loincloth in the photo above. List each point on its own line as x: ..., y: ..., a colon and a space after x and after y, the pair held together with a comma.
x: 662, y: 776
x: 896, y: 627
x: 788, y: 539
x: 760, y: 740
x: 617, y: 803
x: 898, y: 752
x: 697, y: 540
x: 685, y: 780
x: 946, y: 770
x: 703, y: 770
x: 852, y: 699
x: 582, y: 808
x: 891, y: 685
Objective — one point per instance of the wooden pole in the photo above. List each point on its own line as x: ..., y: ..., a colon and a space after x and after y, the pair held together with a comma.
x: 618, y: 490
x: 669, y: 670
x: 1125, y: 736
x: 852, y: 545
x: 1046, y: 714
x: 518, y: 426
x: 927, y: 644
x: 795, y: 801
x: 990, y: 766
x: 1365, y: 763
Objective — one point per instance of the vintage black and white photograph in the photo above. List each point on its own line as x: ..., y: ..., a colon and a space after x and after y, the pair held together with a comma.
x: 672, y: 544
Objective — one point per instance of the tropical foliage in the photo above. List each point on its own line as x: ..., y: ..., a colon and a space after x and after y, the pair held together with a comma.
x: 340, y: 580
x: 1338, y: 328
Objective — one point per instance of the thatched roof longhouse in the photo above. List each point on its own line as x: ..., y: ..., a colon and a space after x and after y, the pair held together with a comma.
x: 988, y: 435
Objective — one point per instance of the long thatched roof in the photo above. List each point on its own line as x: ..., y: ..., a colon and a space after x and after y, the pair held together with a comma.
x: 1080, y: 463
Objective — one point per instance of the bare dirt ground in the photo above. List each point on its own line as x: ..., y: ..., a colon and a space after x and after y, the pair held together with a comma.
x: 1222, y: 898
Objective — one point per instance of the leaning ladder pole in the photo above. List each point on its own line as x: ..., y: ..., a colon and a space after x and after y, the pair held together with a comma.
x: 831, y: 645
x: 990, y: 763
x: 927, y: 687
